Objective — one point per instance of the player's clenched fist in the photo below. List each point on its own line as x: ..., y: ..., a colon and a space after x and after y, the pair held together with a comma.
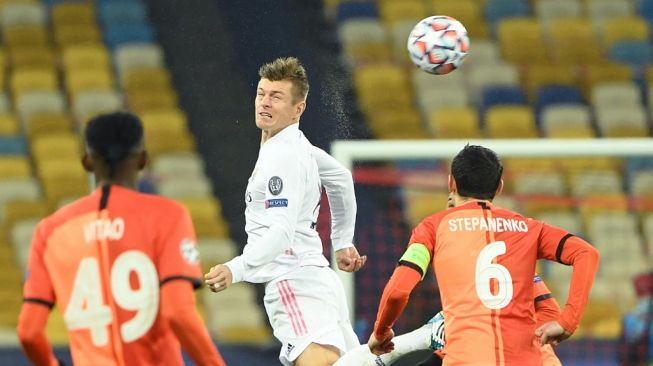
x: 552, y: 333
x: 349, y: 260
x: 218, y: 278
x: 379, y: 346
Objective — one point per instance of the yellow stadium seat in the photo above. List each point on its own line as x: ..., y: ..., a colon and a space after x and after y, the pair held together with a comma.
x: 362, y: 53
x: 8, y: 125
x: 604, y: 72
x: 539, y: 75
x: 395, y: 11
x: 573, y: 41
x: 171, y: 121
x: 32, y: 57
x: 602, y: 319
x: 631, y: 28
x: 592, y: 205
x: 372, y: 83
x: 65, y: 13
x: 23, y: 80
x: 146, y: 79
x: 72, y: 34
x: 534, y: 206
x: 572, y: 165
x: 145, y: 101
x: 95, y: 79
x: 62, y: 179
x: 207, y: 217
x: 572, y: 133
x: 48, y: 123
x: 15, y: 211
x: 512, y: 166
x: 14, y: 167
x: 397, y: 123
x: 521, y: 40
x: 510, y: 122
x: 86, y: 57
x: 25, y: 36
x: 167, y: 143
x: 455, y: 123
x: 59, y: 145
x: 421, y: 203
x: 467, y: 12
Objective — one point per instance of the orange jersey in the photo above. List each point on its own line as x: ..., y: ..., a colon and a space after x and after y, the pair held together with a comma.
x: 103, y: 270
x: 484, y: 259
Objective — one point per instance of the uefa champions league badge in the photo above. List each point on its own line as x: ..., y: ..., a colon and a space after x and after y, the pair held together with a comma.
x: 189, y: 251
x: 275, y: 185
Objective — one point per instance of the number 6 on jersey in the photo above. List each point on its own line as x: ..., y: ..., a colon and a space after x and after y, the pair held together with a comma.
x: 486, y: 271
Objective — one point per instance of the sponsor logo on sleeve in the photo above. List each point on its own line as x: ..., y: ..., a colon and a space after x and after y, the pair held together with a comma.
x: 189, y: 251
x: 276, y: 202
x: 275, y: 185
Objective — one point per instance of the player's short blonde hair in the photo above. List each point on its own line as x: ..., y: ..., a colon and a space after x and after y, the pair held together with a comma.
x: 287, y: 68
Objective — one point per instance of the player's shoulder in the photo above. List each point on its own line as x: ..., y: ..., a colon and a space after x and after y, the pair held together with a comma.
x: 159, y: 205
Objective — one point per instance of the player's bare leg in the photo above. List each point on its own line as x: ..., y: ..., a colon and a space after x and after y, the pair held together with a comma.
x: 318, y: 355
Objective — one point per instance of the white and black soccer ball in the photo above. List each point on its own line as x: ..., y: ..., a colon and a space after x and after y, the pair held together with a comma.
x: 438, y: 44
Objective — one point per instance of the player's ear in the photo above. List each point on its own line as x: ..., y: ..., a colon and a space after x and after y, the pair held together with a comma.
x: 499, y: 189
x: 87, y: 162
x: 300, y: 108
x: 143, y: 159
x: 451, y: 184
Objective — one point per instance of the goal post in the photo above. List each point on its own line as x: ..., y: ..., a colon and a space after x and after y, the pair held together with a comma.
x: 348, y: 152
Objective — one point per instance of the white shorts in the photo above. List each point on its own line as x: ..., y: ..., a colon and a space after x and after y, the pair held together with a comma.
x: 307, y: 306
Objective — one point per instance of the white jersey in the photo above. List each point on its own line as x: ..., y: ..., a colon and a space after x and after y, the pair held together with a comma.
x: 283, y: 201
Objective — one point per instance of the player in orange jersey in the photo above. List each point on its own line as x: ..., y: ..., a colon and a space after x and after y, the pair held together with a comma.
x: 120, y: 265
x: 484, y: 258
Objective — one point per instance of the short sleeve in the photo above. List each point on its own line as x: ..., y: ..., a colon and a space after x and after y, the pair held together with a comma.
x: 38, y: 286
x: 178, y: 256
x: 424, y: 233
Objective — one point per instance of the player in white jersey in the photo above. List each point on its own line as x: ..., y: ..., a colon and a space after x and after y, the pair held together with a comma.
x: 304, y: 299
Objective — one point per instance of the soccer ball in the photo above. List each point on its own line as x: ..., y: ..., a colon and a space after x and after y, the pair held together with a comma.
x: 438, y: 44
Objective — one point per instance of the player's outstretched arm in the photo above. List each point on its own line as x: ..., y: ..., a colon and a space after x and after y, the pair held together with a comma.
x: 31, y: 333
x: 178, y: 308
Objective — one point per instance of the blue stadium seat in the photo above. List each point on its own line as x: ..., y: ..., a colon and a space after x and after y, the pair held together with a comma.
x: 14, y: 145
x: 635, y: 164
x: 645, y: 9
x: 556, y: 94
x: 501, y: 94
x: 122, y: 12
x: 636, y: 53
x: 117, y: 34
x: 356, y: 9
x: 495, y: 10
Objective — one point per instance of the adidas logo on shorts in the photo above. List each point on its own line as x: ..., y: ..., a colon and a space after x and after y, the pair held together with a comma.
x: 289, y: 349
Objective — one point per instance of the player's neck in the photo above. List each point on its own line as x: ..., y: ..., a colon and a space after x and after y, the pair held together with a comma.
x: 460, y: 200
x: 123, y: 181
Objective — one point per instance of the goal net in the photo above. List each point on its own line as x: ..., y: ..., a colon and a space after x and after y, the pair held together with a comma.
x: 598, y: 189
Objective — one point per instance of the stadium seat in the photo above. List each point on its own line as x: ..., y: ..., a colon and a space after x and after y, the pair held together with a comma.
x: 501, y: 95
x: 606, y: 202
x: 396, y: 123
x: 12, y: 145
x: 25, y: 36
x: 132, y: 56
x: 178, y: 165
x: 604, y: 72
x: 47, y: 123
x: 206, y: 217
x: 485, y: 52
x: 510, y: 122
x: 146, y: 79
x: 15, y: 211
x: 616, y: 94
x: 548, y: 10
x: 542, y: 183
x: 392, y: 12
x: 354, y: 9
x: 362, y: 30
x: 631, y: 28
x: 622, y: 121
x: 641, y: 183
x: 21, y: 238
x: 77, y: 34
x: 167, y: 121
x: 25, y: 80
x: 8, y: 125
x: 62, y: 180
x: 400, y: 32
x: 19, y: 189
x: 507, y: 202
x: 78, y: 13
x: 484, y: 75
x: 600, y: 10
x: 116, y: 35
x: 647, y: 224
x: 60, y: 145
x: 14, y: 167
x: 85, y: 57
x: 634, y: 53
x: 147, y: 100
x: 182, y: 188
x: 564, y: 38
x: 497, y: 10
x: 540, y: 75
x: 5, y: 104
x: 433, y: 99
x: 371, y: 83
x: 121, y: 12
x: 455, y: 123
x: 90, y: 103
x: 18, y: 14
x: 32, y: 57
x: 566, y: 220
x: 565, y: 117
x: 521, y: 40
x: 420, y: 204
x: 38, y: 102
x: 596, y: 182
x: 216, y: 251
x: 538, y: 205
x: 423, y: 81
x: 168, y: 143
x: 368, y: 53
x: 555, y: 94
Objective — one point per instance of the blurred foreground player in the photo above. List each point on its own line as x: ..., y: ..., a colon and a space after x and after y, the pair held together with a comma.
x: 484, y: 258
x: 120, y: 265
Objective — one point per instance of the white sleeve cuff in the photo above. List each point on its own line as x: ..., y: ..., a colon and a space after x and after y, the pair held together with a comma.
x: 237, y: 267
x: 337, y: 245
